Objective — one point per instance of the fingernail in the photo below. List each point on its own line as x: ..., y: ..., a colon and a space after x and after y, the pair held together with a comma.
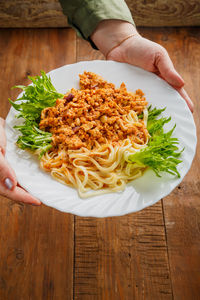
x: 8, y: 183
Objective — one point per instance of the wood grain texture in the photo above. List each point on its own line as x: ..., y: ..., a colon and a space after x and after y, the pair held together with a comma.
x: 48, y: 13
x: 182, y: 206
x: 36, y: 256
x: 20, y: 13
x: 36, y: 243
x: 165, y: 12
x: 122, y: 258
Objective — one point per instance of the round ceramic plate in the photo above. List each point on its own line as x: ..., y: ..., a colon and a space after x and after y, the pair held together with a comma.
x: 138, y: 194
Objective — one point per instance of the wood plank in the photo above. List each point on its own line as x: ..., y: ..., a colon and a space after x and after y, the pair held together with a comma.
x: 182, y: 207
x: 36, y: 253
x: 123, y: 257
x: 33, y: 14
x: 158, y: 13
x: 36, y: 243
x: 48, y: 13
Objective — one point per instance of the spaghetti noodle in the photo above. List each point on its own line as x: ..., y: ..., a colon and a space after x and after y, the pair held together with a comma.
x: 94, y: 130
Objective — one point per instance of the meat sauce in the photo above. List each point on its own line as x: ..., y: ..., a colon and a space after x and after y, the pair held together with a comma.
x: 96, y: 112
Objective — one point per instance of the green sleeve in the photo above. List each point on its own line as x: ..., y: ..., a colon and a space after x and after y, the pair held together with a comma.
x: 84, y: 15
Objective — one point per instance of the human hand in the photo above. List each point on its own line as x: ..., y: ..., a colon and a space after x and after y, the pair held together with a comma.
x: 110, y: 37
x: 8, y: 182
x: 152, y: 57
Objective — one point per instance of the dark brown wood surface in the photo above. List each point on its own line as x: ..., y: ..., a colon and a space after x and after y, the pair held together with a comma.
x: 46, y: 254
x: 48, y: 13
x: 36, y: 245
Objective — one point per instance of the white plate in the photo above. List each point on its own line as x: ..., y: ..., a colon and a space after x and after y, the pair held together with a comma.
x: 138, y: 194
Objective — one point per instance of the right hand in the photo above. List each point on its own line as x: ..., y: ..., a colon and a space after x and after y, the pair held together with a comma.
x: 8, y: 181
x: 110, y: 37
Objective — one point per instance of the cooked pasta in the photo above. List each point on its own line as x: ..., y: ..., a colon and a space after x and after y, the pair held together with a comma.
x: 94, y: 129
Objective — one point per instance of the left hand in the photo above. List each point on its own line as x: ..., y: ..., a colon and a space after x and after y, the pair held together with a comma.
x: 9, y: 186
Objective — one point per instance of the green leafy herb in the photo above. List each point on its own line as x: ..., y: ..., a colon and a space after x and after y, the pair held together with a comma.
x: 162, y: 152
x: 33, y: 138
x: 153, y: 113
x: 36, y: 97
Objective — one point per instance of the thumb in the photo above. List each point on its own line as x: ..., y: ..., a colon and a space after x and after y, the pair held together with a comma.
x: 9, y: 187
x: 7, y: 175
x: 166, y: 69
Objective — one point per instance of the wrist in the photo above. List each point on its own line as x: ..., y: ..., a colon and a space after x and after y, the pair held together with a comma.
x: 111, y: 33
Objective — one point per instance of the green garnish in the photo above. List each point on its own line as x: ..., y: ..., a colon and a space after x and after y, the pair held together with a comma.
x: 33, y: 138
x: 36, y: 97
x: 162, y: 152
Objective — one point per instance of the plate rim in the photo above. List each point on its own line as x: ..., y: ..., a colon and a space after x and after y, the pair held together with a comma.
x: 156, y: 199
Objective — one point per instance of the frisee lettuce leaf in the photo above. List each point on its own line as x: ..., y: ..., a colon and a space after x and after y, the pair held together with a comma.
x: 162, y: 152
x: 33, y: 138
x: 36, y: 97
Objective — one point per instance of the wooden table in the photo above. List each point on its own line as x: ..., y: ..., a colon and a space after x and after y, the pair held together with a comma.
x: 153, y: 254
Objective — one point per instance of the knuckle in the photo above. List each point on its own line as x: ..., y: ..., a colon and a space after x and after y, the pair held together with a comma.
x: 161, y: 52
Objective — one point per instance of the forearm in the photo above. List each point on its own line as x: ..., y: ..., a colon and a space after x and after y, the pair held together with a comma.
x: 111, y: 33
x: 86, y: 15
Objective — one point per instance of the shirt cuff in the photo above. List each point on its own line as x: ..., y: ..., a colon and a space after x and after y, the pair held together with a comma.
x: 86, y: 17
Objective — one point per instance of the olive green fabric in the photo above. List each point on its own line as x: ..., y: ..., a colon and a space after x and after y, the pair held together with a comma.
x: 84, y: 15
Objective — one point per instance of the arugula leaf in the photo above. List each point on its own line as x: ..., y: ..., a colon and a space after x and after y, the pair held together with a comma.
x: 162, y: 152
x: 36, y: 97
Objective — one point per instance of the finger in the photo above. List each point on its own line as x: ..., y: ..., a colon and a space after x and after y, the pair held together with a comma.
x: 2, y: 136
x: 185, y: 96
x: 7, y: 175
x: 19, y: 194
x: 165, y: 66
